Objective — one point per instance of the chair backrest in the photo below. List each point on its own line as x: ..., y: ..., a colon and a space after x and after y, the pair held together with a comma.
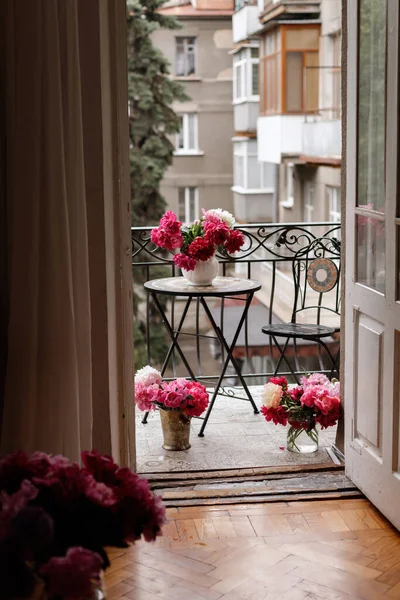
x: 316, y: 278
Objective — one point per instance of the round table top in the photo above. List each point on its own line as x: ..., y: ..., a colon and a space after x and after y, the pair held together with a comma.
x: 221, y: 286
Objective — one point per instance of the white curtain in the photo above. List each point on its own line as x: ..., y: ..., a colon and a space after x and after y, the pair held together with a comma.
x: 48, y: 397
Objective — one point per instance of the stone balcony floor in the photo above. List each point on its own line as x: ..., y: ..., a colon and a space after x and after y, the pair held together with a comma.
x: 234, y: 438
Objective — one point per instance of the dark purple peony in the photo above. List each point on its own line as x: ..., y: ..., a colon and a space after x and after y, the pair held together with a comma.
x: 72, y: 576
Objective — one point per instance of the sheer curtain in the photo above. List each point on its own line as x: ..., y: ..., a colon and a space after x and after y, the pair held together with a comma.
x: 48, y: 390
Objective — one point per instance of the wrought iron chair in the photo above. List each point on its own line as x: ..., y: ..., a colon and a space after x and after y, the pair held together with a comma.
x: 316, y: 271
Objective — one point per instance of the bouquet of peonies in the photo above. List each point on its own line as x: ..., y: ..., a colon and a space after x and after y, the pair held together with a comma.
x: 316, y: 400
x: 182, y: 394
x: 56, y: 518
x: 200, y: 240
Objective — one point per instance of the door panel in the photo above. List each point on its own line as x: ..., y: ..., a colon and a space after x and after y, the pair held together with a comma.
x: 372, y: 311
x: 368, y: 400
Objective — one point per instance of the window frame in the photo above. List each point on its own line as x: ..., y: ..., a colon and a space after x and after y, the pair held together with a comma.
x: 241, y: 149
x: 187, y: 217
x: 186, y: 44
x: 245, y: 66
x: 186, y: 135
x: 274, y: 101
x: 333, y: 193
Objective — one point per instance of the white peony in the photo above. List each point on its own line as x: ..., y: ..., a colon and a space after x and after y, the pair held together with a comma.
x: 272, y: 395
x: 224, y: 215
x: 148, y: 376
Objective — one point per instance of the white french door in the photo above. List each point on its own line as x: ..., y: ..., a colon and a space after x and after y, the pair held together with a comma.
x: 372, y: 312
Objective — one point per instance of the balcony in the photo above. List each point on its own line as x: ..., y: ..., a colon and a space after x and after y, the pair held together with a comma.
x: 267, y: 256
x: 246, y: 97
x: 245, y: 21
x: 322, y: 138
x: 245, y: 115
x: 254, y: 184
x: 290, y: 9
x: 314, y: 134
x: 279, y: 135
x: 322, y: 130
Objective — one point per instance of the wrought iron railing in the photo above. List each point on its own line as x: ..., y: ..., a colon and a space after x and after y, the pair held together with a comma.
x: 267, y: 256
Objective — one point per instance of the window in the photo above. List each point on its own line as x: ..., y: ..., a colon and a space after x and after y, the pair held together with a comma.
x: 248, y: 172
x: 188, y: 204
x: 185, y: 56
x: 333, y: 194
x: 289, y: 70
x: 187, y: 138
x: 309, y: 192
x: 245, y: 74
x: 270, y: 72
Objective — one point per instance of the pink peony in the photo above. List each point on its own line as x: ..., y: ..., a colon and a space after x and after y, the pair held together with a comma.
x: 296, y: 393
x: 272, y: 395
x: 314, y: 379
x: 327, y: 420
x: 216, y: 232
x: 169, y: 222
x: 234, y: 242
x: 328, y: 404
x: 282, y: 381
x: 311, y: 394
x: 183, y: 261
x: 71, y: 577
x: 145, y: 396
x: 278, y: 415
x: 198, y: 398
x: 163, y: 239
x: 201, y: 249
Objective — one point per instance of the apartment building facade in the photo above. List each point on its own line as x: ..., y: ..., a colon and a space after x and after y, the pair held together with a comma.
x: 201, y: 175
x: 298, y: 126
x: 255, y: 182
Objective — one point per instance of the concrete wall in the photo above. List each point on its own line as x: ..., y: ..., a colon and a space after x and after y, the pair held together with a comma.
x: 210, y: 91
x: 320, y: 177
x: 331, y: 16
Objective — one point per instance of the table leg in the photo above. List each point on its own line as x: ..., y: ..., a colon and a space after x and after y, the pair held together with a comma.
x: 229, y: 357
x: 174, y: 337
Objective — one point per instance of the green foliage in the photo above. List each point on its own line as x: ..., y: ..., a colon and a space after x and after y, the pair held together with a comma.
x: 152, y: 120
x: 151, y: 123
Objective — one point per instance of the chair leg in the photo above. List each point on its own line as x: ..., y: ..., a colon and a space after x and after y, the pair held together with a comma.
x: 283, y: 357
x: 333, y: 360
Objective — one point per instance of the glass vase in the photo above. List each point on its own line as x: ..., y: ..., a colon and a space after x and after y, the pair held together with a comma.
x: 302, y: 440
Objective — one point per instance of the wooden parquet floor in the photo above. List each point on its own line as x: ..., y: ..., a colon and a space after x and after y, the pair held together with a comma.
x: 322, y: 550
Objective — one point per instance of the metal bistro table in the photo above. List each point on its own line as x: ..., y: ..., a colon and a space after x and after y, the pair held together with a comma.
x: 222, y: 287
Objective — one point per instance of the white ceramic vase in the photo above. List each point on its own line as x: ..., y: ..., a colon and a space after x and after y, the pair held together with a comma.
x: 204, y: 272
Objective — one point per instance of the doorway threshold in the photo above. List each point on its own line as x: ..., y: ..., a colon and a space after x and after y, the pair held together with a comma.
x: 261, y: 484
